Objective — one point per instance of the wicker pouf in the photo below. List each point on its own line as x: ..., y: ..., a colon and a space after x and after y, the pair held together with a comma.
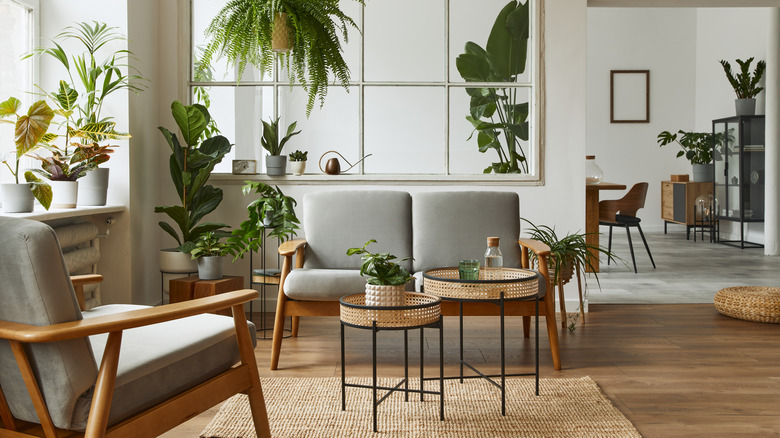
x: 751, y: 303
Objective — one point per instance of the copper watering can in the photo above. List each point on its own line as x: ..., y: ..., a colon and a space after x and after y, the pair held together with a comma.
x: 333, y: 166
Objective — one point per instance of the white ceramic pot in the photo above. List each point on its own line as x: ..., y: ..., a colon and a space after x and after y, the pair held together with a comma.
x: 93, y: 187
x: 65, y: 194
x: 172, y: 260
x: 276, y: 165
x: 16, y: 198
x: 298, y: 167
x: 210, y: 267
x: 380, y: 295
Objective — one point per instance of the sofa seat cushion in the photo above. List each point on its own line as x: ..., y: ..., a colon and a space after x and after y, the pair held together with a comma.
x: 323, y: 284
x: 161, y: 360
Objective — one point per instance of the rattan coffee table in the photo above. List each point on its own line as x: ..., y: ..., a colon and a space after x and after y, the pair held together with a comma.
x: 419, y: 312
x: 495, y: 286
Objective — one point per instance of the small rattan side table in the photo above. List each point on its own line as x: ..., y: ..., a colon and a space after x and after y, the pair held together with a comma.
x: 495, y: 286
x: 419, y: 312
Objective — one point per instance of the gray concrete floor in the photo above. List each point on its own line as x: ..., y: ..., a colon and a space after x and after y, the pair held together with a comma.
x: 686, y: 271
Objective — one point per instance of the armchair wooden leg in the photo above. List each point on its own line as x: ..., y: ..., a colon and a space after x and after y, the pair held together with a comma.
x: 552, y: 331
x: 255, y: 393
x: 104, y: 388
x: 564, y: 315
x: 526, y: 326
x: 6, y: 418
x: 32, y: 388
x: 281, y: 300
x: 296, y: 320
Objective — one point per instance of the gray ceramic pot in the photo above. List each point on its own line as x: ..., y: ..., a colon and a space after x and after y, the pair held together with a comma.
x: 703, y: 172
x: 210, y: 267
x: 276, y: 165
x: 745, y: 107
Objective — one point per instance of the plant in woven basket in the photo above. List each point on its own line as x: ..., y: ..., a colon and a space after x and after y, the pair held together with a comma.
x: 386, y: 278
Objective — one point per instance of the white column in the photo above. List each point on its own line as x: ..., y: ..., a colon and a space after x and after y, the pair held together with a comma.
x: 772, y: 172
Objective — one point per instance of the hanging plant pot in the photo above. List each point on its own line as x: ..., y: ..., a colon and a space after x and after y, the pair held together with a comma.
x: 282, y: 35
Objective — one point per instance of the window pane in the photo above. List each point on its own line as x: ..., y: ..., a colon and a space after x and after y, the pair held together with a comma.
x: 237, y: 111
x: 404, y: 130
x: 404, y: 40
x: 334, y: 127
x: 473, y: 22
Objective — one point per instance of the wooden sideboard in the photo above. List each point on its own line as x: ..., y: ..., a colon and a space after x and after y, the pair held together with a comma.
x: 678, y: 202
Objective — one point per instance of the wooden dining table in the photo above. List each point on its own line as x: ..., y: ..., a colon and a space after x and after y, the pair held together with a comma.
x: 592, y: 216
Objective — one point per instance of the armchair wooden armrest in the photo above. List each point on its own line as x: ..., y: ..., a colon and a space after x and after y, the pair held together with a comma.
x: 122, y: 321
x: 78, y: 286
x: 542, y: 251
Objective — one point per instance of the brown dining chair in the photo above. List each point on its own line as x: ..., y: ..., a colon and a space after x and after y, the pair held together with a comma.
x: 622, y: 213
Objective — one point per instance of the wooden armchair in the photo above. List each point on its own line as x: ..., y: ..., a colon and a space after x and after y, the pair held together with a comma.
x: 158, y: 366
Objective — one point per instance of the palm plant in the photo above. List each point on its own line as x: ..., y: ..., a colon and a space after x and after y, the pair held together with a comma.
x: 745, y: 85
x: 242, y: 32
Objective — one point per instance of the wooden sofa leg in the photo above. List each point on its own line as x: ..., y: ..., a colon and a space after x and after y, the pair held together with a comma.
x: 296, y: 320
x: 526, y: 326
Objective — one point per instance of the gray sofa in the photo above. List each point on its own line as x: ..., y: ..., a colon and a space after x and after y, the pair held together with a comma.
x: 435, y: 228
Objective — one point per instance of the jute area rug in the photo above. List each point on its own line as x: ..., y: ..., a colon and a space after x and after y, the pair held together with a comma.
x: 311, y: 407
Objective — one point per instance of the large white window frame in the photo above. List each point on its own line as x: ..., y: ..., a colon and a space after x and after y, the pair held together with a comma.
x: 359, y: 84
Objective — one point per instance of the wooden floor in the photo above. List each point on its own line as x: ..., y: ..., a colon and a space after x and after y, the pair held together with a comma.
x: 675, y: 370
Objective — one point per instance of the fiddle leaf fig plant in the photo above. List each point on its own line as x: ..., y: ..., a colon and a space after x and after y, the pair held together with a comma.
x: 380, y: 267
x: 499, y: 114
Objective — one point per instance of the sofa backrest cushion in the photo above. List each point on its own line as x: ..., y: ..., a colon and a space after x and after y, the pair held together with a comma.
x: 35, y: 289
x: 451, y: 226
x: 338, y: 220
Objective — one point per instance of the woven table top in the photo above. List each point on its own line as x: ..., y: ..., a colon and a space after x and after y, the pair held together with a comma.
x: 515, y: 284
x: 419, y: 310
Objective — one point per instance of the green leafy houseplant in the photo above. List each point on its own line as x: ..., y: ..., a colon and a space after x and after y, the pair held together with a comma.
x: 29, y: 130
x: 498, y: 114
x: 270, y: 140
x: 745, y: 85
x: 299, y: 156
x: 698, y: 147
x: 380, y: 268
x: 191, y: 165
x: 272, y: 210
x: 209, y: 245
x: 243, y: 31
x: 81, y: 101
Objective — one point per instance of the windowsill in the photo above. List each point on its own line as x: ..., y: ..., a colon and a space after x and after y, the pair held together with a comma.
x: 39, y: 214
x: 352, y: 179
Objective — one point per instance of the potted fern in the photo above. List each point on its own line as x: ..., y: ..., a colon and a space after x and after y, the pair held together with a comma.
x: 275, y: 162
x: 244, y: 30
x: 387, y: 279
x: 298, y: 162
x: 745, y: 85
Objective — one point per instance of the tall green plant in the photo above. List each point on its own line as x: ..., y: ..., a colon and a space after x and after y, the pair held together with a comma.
x: 191, y: 165
x: 242, y: 32
x: 498, y: 114
x: 697, y: 147
x: 745, y: 85
x: 272, y: 210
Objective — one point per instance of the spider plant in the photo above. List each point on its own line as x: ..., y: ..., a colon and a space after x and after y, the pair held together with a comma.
x: 242, y: 32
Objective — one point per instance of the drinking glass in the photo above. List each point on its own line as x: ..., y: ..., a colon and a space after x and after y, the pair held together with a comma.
x: 468, y: 269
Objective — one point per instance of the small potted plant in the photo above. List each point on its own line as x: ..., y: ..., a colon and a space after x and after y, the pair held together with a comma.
x: 745, y: 86
x: 387, y: 279
x: 275, y: 162
x: 31, y: 129
x: 298, y: 162
x: 209, y: 252
x: 698, y: 147
x: 272, y: 210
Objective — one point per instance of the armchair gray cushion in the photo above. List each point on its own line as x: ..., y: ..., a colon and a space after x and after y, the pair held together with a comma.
x: 451, y: 226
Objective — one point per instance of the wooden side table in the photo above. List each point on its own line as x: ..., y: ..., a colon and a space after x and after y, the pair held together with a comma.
x: 189, y: 288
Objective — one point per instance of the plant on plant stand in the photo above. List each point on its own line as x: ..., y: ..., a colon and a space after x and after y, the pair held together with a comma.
x: 190, y: 166
x: 568, y: 255
x: 275, y: 162
x: 387, y: 279
x: 699, y: 148
x: 745, y: 86
x: 298, y: 162
x: 82, y: 99
x: 499, y: 114
x: 30, y: 129
x: 209, y: 252
x: 248, y: 32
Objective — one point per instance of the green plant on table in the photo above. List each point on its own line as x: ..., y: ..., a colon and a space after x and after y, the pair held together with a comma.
x: 745, y: 85
x: 698, y: 147
x: 209, y: 245
x: 270, y: 140
x: 243, y: 32
x: 29, y: 131
x: 299, y: 156
x: 380, y: 267
x: 498, y: 114
x: 272, y: 210
x: 190, y: 167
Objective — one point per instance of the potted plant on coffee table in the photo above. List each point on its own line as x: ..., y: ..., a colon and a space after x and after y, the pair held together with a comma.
x: 210, y: 252
x: 275, y: 162
x: 30, y: 130
x: 298, y: 162
x: 387, y: 279
x: 745, y: 86
x: 698, y: 147
x: 191, y: 164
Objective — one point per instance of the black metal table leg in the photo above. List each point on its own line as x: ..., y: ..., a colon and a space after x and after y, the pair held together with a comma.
x: 422, y: 366
x: 373, y: 348
x: 461, y: 342
x: 536, y: 331
x: 406, y: 365
x: 441, y: 368
x: 343, y: 373
x: 503, y: 358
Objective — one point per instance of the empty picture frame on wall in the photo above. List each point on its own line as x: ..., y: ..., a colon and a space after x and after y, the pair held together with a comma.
x: 629, y: 96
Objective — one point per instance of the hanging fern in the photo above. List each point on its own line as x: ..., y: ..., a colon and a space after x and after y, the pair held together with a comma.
x: 242, y: 31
